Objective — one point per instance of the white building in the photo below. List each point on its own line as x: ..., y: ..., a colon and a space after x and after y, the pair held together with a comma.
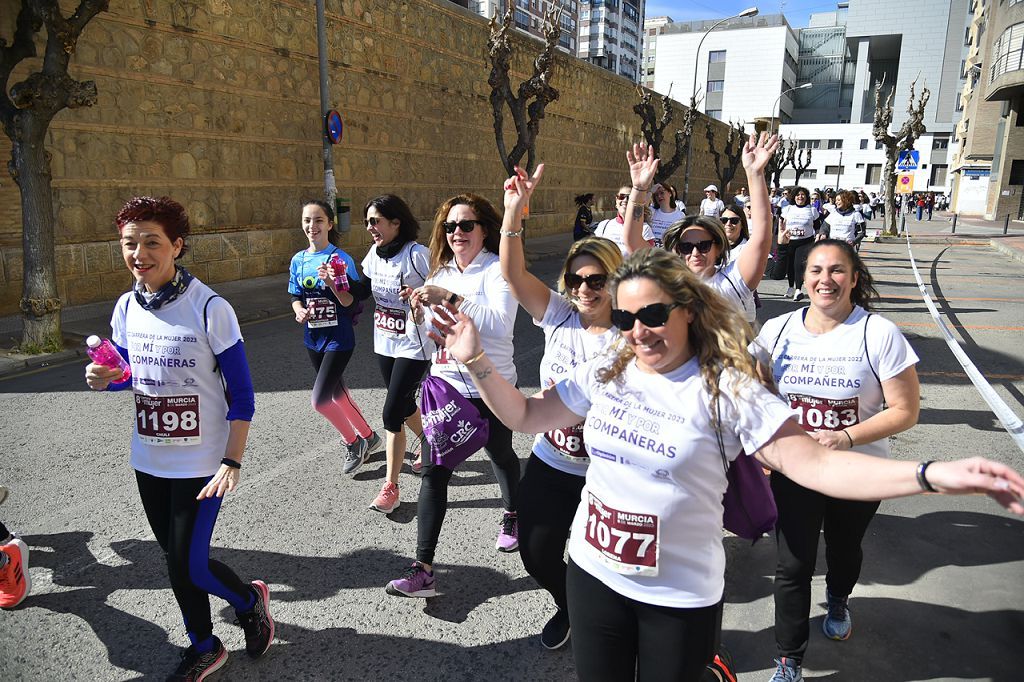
x: 528, y: 16
x: 610, y: 35
x: 742, y: 68
x: 653, y: 27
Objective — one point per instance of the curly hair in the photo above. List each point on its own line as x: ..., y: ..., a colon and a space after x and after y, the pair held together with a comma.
x: 710, y: 224
x: 604, y: 251
x: 863, y: 292
x: 441, y: 253
x: 164, y: 211
x: 718, y: 335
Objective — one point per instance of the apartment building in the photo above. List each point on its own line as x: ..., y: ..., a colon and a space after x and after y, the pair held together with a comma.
x: 653, y: 27
x: 610, y: 34
x: 528, y: 16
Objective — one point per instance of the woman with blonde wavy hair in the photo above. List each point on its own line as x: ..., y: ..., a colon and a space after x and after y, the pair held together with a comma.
x: 646, y: 570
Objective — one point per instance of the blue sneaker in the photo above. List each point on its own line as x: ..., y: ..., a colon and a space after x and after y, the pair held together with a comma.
x: 837, y: 624
x: 787, y: 670
x: 373, y: 443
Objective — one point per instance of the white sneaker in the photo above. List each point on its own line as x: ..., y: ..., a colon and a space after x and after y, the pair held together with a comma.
x: 789, y: 292
x: 798, y: 295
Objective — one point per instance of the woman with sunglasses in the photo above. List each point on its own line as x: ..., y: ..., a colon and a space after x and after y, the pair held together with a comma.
x: 646, y: 572
x: 394, y: 266
x: 325, y: 311
x: 577, y: 326
x: 465, y: 273
x: 797, y: 225
x: 855, y: 385
x: 613, y: 228
x: 667, y: 210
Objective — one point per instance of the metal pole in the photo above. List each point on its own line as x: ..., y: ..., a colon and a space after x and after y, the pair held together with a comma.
x: 954, y: 223
x: 903, y: 224
x: 693, y: 105
x: 1006, y: 223
x: 839, y: 169
x: 330, y: 187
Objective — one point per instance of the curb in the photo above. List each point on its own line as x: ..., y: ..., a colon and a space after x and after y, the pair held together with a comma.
x: 15, y: 367
x: 1001, y: 247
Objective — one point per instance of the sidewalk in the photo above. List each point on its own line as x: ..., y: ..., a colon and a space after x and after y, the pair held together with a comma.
x: 969, y: 230
x: 253, y: 299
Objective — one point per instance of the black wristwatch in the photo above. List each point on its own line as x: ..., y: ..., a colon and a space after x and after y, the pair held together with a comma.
x: 453, y: 298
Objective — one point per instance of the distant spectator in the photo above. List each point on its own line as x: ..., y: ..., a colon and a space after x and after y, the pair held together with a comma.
x: 667, y: 210
x: 711, y: 205
x: 584, y: 216
x: 742, y: 197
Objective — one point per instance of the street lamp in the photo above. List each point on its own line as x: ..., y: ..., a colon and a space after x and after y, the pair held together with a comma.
x: 749, y: 12
x: 778, y: 99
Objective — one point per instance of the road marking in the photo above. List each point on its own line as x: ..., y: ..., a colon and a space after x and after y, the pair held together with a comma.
x: 982, y: 327
x: 954, y: 298
x: 963, y: 375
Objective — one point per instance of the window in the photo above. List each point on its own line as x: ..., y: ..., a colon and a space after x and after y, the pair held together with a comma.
x: 878, y: 145
x: 863, y: 144
x: 834, y: 170
x: 835, y: 144
x: 715, y: 114
x: 716, y: 86
x: 873, y: 174
x: 1008, y: 52
x: 967, y: 37
x: 808, y: 144
x: 940, y: 142
x: 809, y: 174
x: 938, y: 176
x: 522, y: 19
x: 716, y: 56
x: 963, y: 68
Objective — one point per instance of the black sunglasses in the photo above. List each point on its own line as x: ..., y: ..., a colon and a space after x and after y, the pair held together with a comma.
x: 373, y: 220
x: 653, y: 315
x: 685, y: 248
x: 464, y: 225
x: 729, y: 221
x: 596, y: 282
x: 621, y: 197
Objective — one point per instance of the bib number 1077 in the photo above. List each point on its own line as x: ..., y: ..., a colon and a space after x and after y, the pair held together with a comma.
x: 626, y: 542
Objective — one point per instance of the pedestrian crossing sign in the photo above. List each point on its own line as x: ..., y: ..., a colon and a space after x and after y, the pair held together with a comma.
x: 908, y: 160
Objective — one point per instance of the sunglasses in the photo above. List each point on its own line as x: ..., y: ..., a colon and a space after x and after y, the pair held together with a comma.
x: 729, y: 221
x: 596, y: 282
x: 686, y: 248
x: 373, y: 221
x: 464, y: 225
x: 621, y: 197
x: 653, y: 315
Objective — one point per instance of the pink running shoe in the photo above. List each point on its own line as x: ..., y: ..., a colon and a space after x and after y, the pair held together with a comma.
x: 15, y: 582
x: 415, y: 583
x: 387, y: 499
x: 508, y: 536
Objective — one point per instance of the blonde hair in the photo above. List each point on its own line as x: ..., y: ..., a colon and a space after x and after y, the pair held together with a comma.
x: 713, y: 226
x: 604, y: 251
x: 718, y: 335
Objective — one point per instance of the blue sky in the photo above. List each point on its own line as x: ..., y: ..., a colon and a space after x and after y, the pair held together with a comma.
x: 796, y: 11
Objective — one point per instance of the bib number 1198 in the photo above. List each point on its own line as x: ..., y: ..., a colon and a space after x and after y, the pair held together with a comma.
x: 167, y: 419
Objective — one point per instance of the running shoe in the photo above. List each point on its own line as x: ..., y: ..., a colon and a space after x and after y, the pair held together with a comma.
x: 789, y: 292
x: 373, y: 443
x: 837, y: 624
x: 195, y: 666
x: 356, y: 456
x: 257, y: 623
x: 416, y: 582
x: 15, y: 582
x: 798, y: 295
x: 787, y: 670
x: 508, y: 535
x: 556, y: 633
x: 387, y: 499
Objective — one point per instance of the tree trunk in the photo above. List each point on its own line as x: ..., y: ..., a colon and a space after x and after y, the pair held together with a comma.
x: 40, y: 303
x: 890, y: 192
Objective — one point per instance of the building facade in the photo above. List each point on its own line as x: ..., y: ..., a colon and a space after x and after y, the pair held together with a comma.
x: 653, y: 27
x: 610, y: 35
x: 528, y: 16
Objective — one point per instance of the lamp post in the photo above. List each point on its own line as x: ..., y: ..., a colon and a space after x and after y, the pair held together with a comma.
x: 749, y: 12
x: 778, y: 100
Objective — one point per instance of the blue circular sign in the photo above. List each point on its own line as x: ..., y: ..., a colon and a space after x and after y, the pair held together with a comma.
x: 334, y: 128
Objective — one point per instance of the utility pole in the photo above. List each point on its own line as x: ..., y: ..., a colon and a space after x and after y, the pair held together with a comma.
x: 330, y: 187
x: 839, y: 169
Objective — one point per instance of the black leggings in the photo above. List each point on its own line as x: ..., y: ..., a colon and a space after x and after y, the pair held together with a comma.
x: 183, y: 527
x: 798, y: 249
x: 4, y: 533
x: 330, y: 370
x: 617, y: 639
x: 403, y: 377
x: 433, y: 501
x: 802, y: 513
x: 547, y: 502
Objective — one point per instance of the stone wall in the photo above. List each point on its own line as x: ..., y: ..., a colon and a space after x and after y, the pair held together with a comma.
x: 216, y: 103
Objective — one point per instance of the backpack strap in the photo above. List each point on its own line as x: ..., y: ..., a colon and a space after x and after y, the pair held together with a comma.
x: 784, y: 325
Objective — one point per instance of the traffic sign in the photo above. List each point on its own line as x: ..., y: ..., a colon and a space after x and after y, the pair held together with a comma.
x: 905, y: 183
x: 334, y: 128
x: 908, y: 160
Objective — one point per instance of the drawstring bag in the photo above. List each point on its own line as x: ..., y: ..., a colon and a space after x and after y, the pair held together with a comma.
x: 451, y: 424
x: 749, y: 506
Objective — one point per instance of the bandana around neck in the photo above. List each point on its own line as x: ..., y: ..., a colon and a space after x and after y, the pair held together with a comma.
x: 165, y: 294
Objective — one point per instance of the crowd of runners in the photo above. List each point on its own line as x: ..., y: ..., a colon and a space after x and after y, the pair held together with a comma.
x: 656, y: 377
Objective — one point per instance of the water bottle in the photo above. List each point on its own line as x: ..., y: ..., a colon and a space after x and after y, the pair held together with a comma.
x: 102, y: 352
x: 340, y: 278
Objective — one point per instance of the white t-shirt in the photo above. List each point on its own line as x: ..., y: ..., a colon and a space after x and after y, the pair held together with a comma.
x: 653, y: 496
x: 735, y: 251
x: 612, y: 229
x: 566, y: 345
x: 829, y: 379
x: 662, y: 220
x: 712, y: 207
x: 842, y: 227
x: 800, y: 220
x: 394, y: 333
x: 728, y: 282
x: 490, y: 304
x: 181, y: 427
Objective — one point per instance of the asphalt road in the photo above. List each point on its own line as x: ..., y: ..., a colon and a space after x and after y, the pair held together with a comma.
x: 940, y: 597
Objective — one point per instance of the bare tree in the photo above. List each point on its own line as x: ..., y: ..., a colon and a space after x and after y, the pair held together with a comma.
x: 894, y: 143
x: 653, y: 127
x: 801, y: 161
x: 527, y: 102
x: 26, y: 110
x: 782, y: 158
x: 733, y: 152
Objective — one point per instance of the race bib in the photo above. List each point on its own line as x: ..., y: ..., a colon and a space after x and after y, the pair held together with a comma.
x: 322, y: 313
x: 167, y: 419
x: 796, y: 232
x: 825, y: 414
x: 389, y: 320
x: 626, y: 542
x: 568, y: 443
x: 443, y: 357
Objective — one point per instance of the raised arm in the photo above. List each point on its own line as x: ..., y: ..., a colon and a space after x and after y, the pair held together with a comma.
x: 531, y: 293
x: 642, y: 168
x: 756, y: 155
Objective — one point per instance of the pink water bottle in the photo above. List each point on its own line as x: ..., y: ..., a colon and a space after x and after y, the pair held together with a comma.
x: 102, y: 352
x: 340, y: 277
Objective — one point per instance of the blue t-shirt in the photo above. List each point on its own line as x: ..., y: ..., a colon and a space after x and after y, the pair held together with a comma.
x: 329, y: 327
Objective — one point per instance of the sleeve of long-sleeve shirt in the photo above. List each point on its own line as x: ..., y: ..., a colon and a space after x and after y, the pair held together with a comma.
x: 121, y: 385
x: 235, y: 367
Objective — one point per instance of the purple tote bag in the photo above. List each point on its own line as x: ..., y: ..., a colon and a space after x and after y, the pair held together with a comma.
x: 452, y: 425
x: 749, y: 506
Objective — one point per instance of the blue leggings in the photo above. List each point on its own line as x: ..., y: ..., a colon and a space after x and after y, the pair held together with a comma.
x: 183, y: 527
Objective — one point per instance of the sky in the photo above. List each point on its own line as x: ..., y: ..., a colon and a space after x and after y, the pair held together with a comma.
x: 796, y: 11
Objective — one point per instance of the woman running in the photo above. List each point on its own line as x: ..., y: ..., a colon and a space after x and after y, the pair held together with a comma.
x: 325, y: 311
x: 577, y: 326
x: 193, y: 404
x: 394, y: 266
x: 646, y: 572
x: 614, y: 228
x: 854, y: 386
x: 465, y: 272
x: 667, y: 210
x: 797, y: 225
x: 842, y: 220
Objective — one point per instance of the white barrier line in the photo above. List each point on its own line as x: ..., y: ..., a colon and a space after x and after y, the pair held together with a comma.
x: 1007, y: 417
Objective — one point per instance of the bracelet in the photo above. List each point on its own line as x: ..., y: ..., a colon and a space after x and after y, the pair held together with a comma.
x: 506, y: 233
x: 922, y: 479
x: 227, y: 461
x: 453, y: 298
x: 474, y: 358
x: 641, y: 190
x: 848, y: 437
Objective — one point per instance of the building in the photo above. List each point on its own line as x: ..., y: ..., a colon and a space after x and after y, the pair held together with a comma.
x: 988, y: 165
x: 652, y: 29
x: 528, y: 16
x: 610, y: 35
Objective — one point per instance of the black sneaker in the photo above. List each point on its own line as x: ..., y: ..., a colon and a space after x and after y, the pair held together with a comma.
x: 556, y: 633
x: 195, y: 666
x: 257, y: 623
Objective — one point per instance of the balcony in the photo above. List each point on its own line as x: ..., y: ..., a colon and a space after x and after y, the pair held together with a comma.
x: 1006, y: 77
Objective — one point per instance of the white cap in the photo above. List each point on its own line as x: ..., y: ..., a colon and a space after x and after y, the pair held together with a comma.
x: 711, y: 188
x: 93, y: 341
